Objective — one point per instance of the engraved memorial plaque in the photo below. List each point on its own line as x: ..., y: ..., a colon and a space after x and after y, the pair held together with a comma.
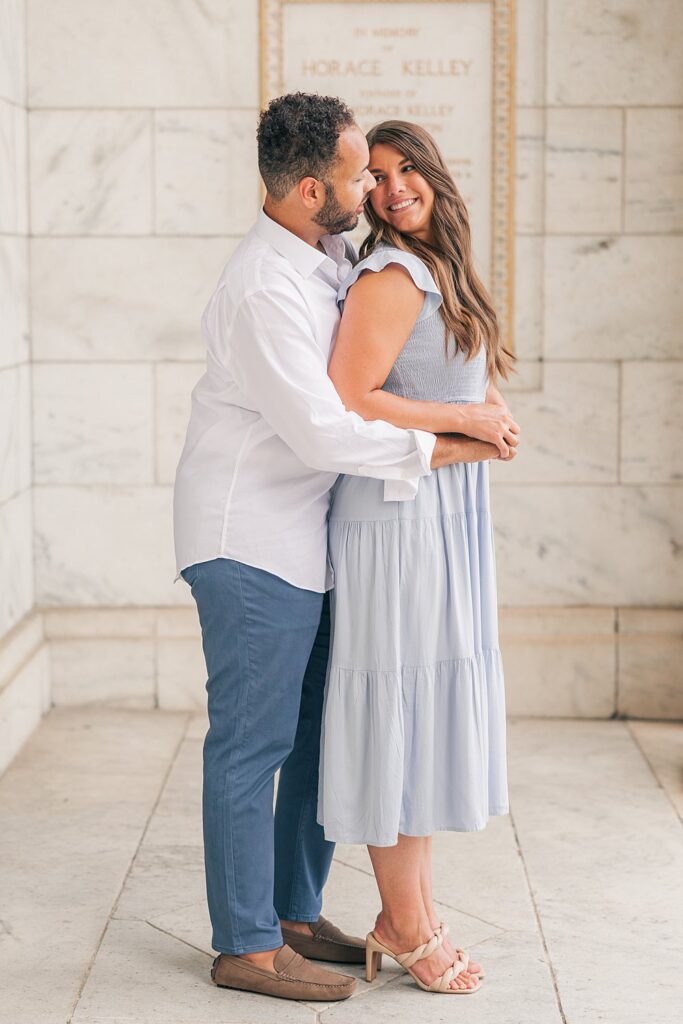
x: 445, y: 64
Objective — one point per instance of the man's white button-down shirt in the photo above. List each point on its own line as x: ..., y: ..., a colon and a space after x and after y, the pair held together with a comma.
x: 268, y: 434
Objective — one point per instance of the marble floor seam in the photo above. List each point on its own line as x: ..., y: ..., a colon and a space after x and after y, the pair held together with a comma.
x: 112, y: 912
x: 539, y: 923
x: 655, y: 774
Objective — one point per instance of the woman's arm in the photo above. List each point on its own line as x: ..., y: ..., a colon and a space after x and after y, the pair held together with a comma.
x: 494, y: 396
x: 379, y: 314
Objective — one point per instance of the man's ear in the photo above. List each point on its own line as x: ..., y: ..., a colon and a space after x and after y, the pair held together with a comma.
x: 312, y: 193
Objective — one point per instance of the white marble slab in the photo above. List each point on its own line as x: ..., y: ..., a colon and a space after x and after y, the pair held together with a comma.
x: 610, y: 297
x: 615, y: 52
x: 559, y: 662
x: 103, y: 623
x: 650, y: 662
x: 174, y: 384
x: 529, y: 186
x: 14, y: 300
x: 15, y: 431
x: 568, y: 430
x: 174, y: 623
x: 154, y: 54
x: 13, y: 51
x: 121, y: 554
x: 651, y: 428
x: 93, y: 424
x: 478, y: 875
x: 181, y: 675
x: 207, y: 180
x: 602, y: 848
x: 177, y: 819
x: 124, y: 299
x: 587, y: 544
x: 528, y: 376
x: 23, y: 702
x: 16, y: 560
x: 13, y: 169
x: 583, y: 167
x: 143, y: 974
x: 164, y: 879
x: 91, y: 172
x: 19, y: 644
x: 528, y: 297
x: 518, y: 987
x: 654, y: 170
x: 74, y: 805
x: 662, y: 745
x: 103, y: 673
x: 198, y: 727
x: 530, y: 52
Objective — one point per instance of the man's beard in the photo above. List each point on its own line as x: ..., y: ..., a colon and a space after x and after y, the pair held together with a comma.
x: 332, y: 216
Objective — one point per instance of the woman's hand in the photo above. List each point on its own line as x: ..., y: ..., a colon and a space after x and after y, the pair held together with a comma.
x: 488, y: 421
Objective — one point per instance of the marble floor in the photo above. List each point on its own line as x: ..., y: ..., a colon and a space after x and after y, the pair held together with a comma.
x: 573, y: 902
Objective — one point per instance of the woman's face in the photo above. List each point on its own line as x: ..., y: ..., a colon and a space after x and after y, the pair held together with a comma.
x: 402, y: 197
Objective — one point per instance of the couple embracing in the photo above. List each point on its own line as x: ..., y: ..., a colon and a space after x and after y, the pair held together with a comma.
x: 332, y: 518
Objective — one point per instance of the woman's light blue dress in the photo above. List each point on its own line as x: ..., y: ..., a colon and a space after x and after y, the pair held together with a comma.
x: 413, y: 737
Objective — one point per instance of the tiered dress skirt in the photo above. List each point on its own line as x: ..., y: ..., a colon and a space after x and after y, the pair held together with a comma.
x: 413, y: 737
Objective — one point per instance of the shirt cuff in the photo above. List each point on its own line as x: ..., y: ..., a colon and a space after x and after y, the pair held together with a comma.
x: 407, y: 488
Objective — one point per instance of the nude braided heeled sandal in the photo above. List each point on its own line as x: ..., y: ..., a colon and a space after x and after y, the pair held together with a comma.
x: 463, y: 955
x: 375, y: 950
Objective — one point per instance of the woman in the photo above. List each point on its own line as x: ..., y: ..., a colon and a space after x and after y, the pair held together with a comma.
x: 414, y: 722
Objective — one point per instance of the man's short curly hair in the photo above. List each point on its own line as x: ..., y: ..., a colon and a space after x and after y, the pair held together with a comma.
x: 297, y: 137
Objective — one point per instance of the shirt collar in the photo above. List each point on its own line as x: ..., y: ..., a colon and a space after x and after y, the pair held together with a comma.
x: 304, y: 257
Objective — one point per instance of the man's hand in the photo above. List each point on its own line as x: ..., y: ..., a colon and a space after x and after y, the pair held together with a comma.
x: 450, y: 448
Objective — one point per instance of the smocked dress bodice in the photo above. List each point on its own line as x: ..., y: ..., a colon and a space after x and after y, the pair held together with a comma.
x: 424, y: 370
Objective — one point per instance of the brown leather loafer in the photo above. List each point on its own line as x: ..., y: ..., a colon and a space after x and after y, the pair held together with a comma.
x: 326, y: 943
x: 293, y: 977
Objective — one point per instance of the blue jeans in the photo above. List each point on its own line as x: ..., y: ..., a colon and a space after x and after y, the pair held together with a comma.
x: 266, y: 647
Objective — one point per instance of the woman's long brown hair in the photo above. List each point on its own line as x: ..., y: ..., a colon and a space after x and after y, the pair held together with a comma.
x: 467, y: 310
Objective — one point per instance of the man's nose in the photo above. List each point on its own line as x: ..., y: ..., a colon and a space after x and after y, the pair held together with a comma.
x: 370, y: 182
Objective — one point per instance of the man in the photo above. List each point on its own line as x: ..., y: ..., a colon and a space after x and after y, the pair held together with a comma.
x: 268, y: 436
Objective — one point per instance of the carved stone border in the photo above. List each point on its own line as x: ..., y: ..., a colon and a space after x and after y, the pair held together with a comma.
x: 502, y: 121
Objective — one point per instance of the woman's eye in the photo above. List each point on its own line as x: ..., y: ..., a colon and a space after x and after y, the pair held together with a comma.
x: 408, y: 167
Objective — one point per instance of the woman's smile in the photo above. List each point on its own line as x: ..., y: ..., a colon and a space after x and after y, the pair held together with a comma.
x: 402, y: 204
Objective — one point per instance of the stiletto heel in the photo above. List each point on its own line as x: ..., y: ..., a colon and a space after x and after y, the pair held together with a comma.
x: 373, y: 963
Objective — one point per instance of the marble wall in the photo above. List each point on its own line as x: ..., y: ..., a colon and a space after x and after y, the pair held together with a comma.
x: 23, y: 669
x: 591, y: 513
x: 143, y: 178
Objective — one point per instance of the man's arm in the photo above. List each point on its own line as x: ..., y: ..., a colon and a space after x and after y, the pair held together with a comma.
x: 450, y: 448
x: 268, y: 346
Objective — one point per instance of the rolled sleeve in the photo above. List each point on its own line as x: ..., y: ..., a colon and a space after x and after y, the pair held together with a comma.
x: 405, y: 487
